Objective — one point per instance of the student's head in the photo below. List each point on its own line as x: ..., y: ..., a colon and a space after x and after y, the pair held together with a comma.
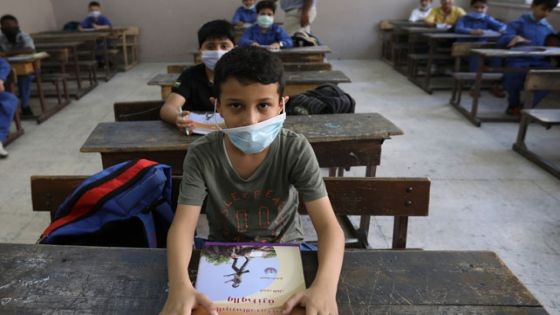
x: 248, y: 84
x: 10, y: 26
x: 479, y: 6
x: 542, y: 8
x: 425, y: 3
x: 265, y: 13
x: 447, y: 4
x: 249, y: 4
x: 94, y: 9
x: 215, y: 38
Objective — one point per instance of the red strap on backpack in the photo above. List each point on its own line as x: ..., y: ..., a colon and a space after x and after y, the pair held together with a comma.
x: 86, y: 203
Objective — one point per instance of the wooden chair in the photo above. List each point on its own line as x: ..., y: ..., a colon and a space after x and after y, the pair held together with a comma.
x: 400, y: 198
x: 538, y: 80
x: 10, y: 86
x: 459, y: 51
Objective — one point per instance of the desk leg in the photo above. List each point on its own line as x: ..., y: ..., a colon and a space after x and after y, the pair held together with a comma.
x: 125, y: 51
x: 106, y: 56
x: 76, y: 68
x: 427, y: 81
x: 472, y: 115
x: 40, y: 92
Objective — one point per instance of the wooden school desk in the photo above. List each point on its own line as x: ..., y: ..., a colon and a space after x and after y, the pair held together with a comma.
x: 339, y: 140
x: 39, y: 279
x: 31, y: 65
x: 72, y: 46
x: 296, y: 54
x: 440, y: 50
x: 405, y: 39
x: 388, y: 41
x: 90, y: 37
x: 296, y: 82
x: 483, y: 54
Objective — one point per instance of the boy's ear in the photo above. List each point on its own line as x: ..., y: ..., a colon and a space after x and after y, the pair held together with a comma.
x: 283, y: 102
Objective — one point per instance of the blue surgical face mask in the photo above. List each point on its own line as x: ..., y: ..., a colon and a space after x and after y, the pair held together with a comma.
x: 532, y: 16
x: 210, y: 57
x: 265, y: 21
x: 477, y: 15
x: 257, y: 137
x: 95, y: 14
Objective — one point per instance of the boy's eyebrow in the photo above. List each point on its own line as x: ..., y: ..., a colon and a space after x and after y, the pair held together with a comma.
x: 241, y: 100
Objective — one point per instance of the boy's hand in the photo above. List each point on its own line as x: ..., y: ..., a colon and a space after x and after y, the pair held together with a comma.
x: 304, y: 19
x: 255, y: 44
x: 477, y: 32
x: 316, y: 300
x: 274, y: 46
x: 518, y: 40
x: 182, y: 301
x: 2, y: 88
x: 183, y: 121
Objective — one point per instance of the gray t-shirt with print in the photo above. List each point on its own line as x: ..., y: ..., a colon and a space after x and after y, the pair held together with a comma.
x: 262, y: 207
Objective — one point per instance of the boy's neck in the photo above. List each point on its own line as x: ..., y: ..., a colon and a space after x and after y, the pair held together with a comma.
x: 209, y: 74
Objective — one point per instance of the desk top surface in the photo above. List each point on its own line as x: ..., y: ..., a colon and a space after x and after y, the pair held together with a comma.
x: 422, y: 29
x: 69, y: 36
x: 447, y: 35
x: 39, y: 279
x: 61, y: 44
x: 27, y: 57
x: 537, y: 52
x: 323, y: 49
x: 295, y: 77
x: 149, y: 136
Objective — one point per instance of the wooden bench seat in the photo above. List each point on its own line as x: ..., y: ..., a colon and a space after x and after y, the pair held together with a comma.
x: 538, y: 80
x: 400, y: 198
x: 471, y: 76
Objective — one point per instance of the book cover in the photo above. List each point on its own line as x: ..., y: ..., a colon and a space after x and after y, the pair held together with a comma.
x: 206, y: 123
x: 249, y: 278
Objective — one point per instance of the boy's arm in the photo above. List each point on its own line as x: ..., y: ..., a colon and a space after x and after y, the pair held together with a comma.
x: 247, y: 38
x: 283, y: 37
x: 236, y: 17
x: 431, y: 19
x: 461, y: 28
x: 172, y: 111
x: 321, y: 296
x: 182, y: 296
x: 496, y: 25
x: 512, y: 30
x: 305, y: 17
x: 4, y: 69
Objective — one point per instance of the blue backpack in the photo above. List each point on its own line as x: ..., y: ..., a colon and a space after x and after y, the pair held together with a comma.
x: 126, y: 205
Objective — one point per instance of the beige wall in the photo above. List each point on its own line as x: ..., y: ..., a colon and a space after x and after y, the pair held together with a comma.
x: 33, y: 15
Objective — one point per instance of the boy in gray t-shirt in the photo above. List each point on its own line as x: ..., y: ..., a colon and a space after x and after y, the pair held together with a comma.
x: 251, y: 175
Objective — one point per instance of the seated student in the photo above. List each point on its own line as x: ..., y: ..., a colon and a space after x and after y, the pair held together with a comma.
x: 530, y: 29
x: 193, y: 89
x: 8, y: 106
x: 245, y: 14
x: 252, y: 169
x: 95, y: 20
x: 421, y: 13
x: 446, y: 16
x: 476, y: 22
x: 15, y: 42
x: 265, y: 32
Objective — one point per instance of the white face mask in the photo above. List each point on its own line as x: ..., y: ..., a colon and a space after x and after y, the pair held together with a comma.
x: 257, y: 137
x: 210, y: 57
x: 265, y: 21
x: 249, y: 7
x: 95, y: 14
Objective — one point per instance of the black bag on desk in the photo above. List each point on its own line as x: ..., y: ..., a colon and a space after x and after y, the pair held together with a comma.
x: 71, y: 26
x: 325, y: 99
x: 304, y: 39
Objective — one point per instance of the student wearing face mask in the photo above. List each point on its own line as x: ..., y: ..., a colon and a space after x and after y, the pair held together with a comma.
x: 530, y: 29
x: 445, y: 16
x: 245, y: 14
x: 15, y: 42
x: 251, y: 170
x: 265, y: 33
x: 194, y: 88
x: 95, y: 20
x: 421, y: 13
x: 8, y: 106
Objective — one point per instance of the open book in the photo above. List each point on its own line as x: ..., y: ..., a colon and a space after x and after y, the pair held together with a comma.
x: 206, y: 123
x: 249, y: 278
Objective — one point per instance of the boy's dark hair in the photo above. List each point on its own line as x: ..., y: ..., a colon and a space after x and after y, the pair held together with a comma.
x: 94, y: 4
x: 216, y: 29
x: 8, y: 17
x: 265, y: 4
x: 249, y: 65
x: 473, y: 2
x: 548, y: 4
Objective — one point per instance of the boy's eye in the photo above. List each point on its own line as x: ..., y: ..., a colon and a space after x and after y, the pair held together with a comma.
x: 234, y: 105
x: 264, y: 105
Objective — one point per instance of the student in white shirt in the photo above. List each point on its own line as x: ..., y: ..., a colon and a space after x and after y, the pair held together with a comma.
x: 420, y: 13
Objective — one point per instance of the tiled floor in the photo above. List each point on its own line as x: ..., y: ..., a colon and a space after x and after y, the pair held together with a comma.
x: 484, y: 195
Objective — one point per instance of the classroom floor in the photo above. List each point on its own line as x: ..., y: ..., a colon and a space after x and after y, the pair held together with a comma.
x: 484, y: 196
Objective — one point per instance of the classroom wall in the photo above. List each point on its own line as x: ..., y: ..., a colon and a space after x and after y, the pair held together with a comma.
x: 169, y: 26
x: 41, y: 17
